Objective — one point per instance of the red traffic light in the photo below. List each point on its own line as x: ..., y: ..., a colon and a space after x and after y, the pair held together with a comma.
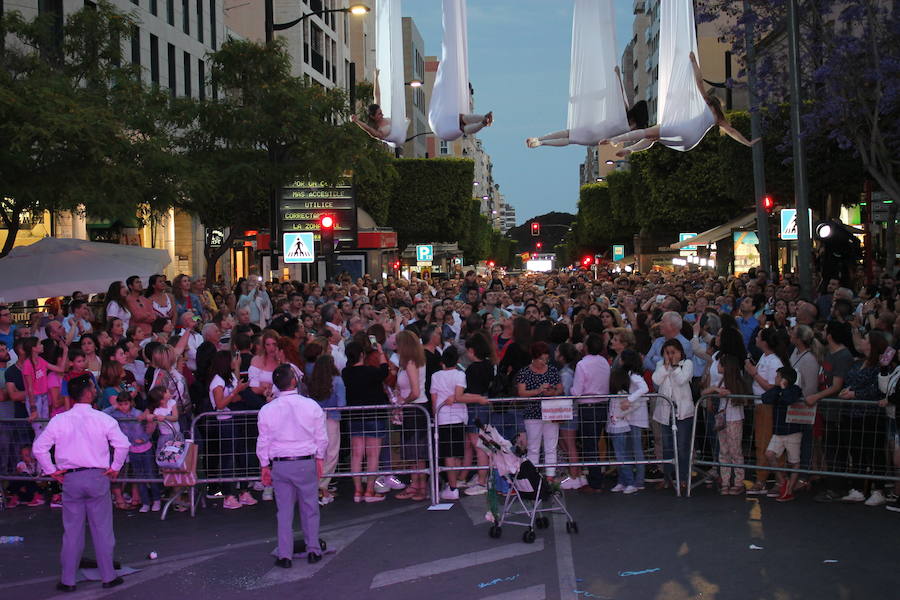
x: 535, y: 228
x: 491, y: 264
x: 768, y: 203
x: 539, y: 245
x: 587, y: 260
x: 327, y: 222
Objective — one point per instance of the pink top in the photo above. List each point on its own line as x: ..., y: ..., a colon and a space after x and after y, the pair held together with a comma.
x: 37, y: 369
x: 591, y: 376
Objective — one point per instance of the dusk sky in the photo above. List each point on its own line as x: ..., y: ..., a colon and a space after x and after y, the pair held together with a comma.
x: 519, y: 67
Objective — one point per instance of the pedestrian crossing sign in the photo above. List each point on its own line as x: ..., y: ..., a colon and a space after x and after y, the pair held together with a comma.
x: 789, y: 229
x: 298, y: 247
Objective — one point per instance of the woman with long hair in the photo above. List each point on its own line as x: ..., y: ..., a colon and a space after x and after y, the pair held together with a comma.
x: 224, y: 389
x: 164, y: 371
x: 411, y: 390
x: 763, y: 375
x: 115, y: 307
x: 729, y: 421
x: 160, y: 301
x: 115, y: 329
x: 364, y: 387
x: 185, y: 300
x: 90, y: 346
x: 264, y: 363
x: 326, y: 387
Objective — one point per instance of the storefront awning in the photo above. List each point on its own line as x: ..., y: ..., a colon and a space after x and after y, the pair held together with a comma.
x: 715, y: 234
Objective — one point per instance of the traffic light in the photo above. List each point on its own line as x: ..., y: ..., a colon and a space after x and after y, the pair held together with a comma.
x: 768, y: 203
x: 586, y: 261
x: 539, y: 245
x: 396, y: 265
x: 535, y: 229
x: 326, y: 233
x: 491, y: 264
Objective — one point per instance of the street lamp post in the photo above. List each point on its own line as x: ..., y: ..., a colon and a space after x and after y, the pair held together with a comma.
x: 804, y: 241
x: 759, y: 169
x: 271, y: 27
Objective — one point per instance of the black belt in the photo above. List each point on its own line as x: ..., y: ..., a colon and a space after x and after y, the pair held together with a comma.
x: 289, y: 458
x: 76, y: 469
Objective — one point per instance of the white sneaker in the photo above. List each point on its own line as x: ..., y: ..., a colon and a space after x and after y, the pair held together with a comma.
x: 876, y: 498
x: 473, y: 480
x: 156, y: 506
x: 630, y: 490
x: 853, y: 496
x: 381, y: 486
x: 258, y: 486
x: 476, y: 490
x: 247, y: 499
x: 268, y: 494
x: 449, y: 494
x: 570, y: 483
x: 619, y: 488
x: 145, y: 508
x: 395, y: 484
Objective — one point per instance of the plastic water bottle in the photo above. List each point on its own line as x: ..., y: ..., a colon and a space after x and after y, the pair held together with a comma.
x: 11, y: 539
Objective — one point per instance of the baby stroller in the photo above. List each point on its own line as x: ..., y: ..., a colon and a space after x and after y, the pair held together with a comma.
x: 530, y: 495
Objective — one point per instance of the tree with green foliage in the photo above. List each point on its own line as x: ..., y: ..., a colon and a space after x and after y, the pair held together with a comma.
x: 431, y: 201
x: 597, y: 225
x: 78, y: 129
x: 270, y: 128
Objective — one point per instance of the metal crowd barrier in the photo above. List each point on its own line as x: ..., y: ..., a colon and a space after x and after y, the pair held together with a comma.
x: 838, y: 439
x: 576, y: 450
x: 227, y: 443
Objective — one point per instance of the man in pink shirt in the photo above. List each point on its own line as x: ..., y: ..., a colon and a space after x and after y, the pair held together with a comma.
x: 82, y: 437
x: 592, y: 379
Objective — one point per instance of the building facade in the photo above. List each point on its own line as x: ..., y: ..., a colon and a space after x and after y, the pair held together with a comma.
x: 170, y: 41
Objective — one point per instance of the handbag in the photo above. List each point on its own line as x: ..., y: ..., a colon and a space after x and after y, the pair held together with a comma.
x: 720, y: 421
x: 174, y: 454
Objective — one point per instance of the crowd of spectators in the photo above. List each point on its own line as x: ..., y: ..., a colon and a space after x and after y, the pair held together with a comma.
x: 161, y: 354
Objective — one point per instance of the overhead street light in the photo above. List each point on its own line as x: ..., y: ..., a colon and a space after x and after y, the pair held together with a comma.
x: 270, y: 28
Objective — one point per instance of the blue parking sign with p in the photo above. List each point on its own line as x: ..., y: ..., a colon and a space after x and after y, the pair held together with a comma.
x: 424, y: 253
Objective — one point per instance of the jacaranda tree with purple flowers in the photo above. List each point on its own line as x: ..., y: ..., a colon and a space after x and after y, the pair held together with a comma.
x: 850, y: 74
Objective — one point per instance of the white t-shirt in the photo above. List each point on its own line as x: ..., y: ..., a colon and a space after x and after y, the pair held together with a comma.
x: 767, y: 367
x: 166, y: 411
x: 443, y: 386
x: 218, y: 382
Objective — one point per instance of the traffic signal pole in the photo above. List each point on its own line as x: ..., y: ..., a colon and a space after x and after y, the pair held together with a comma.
x: 759, y: 169
x: 804, y: 238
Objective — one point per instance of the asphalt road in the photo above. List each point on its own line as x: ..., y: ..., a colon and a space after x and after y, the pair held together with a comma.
x: 650, y: 546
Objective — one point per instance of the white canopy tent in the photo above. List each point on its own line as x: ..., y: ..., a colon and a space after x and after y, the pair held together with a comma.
x: 57, y: 267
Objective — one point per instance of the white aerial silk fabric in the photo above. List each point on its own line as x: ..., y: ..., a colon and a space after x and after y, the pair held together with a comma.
x: 596, y: 105
x: 389, y: 62
x: 682, y: 113
x: 450, y: 95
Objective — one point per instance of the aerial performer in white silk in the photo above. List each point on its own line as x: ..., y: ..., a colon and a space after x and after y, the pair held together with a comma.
x: 597, y: 109
x: 686, y: 111
x: 449, y: 113
x: 386, y: 119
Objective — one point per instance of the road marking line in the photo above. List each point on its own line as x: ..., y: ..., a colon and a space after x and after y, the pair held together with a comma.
x: 535, y: 592
x: 218, y: 549
x: 565, y: 565
x: 302, y: 569
x: 453, y: 563
x: 90, y: 590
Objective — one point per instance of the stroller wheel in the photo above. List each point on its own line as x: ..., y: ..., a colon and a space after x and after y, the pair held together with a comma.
x: 528, y: 536
x: 571, y: 527
x: 542, y: 522
x: 495, y: 531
